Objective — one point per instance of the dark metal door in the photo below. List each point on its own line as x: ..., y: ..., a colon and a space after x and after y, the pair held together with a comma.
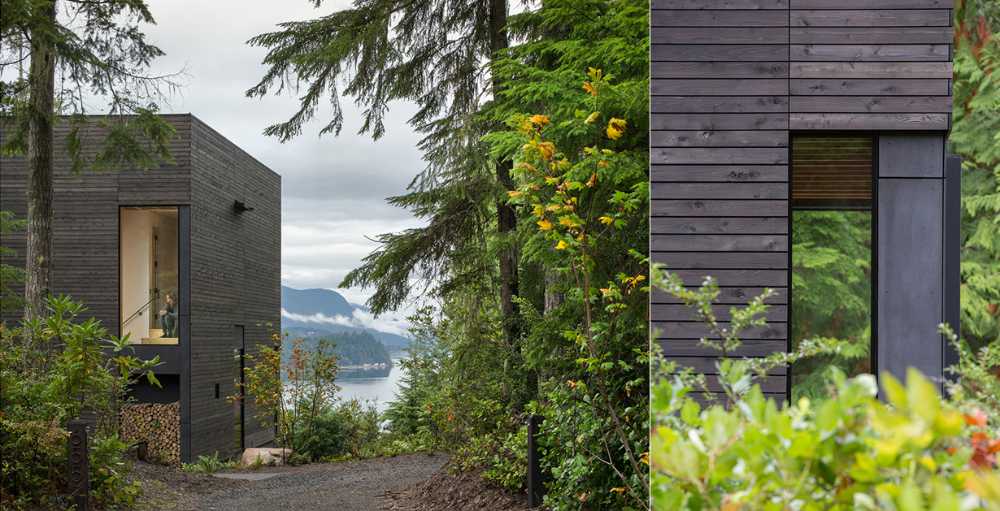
x: 239, y: 410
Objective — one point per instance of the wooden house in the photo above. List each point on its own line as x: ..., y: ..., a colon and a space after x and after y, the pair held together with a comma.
x: 184, y: 259
x: 764, y: 108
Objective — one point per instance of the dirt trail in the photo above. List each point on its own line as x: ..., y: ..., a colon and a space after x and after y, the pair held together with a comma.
x: 347, y: 486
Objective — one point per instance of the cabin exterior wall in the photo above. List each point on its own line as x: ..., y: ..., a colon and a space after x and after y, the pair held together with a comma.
x: 731, y: 82
x: 229, y: 274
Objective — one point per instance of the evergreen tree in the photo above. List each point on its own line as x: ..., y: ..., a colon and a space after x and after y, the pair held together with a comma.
x: 975, y: 136
x: 438, y: 55
x: 75, y: 50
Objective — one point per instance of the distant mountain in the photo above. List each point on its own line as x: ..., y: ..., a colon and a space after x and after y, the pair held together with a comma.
x: 352, y: 348
x: 322, y: 312
x: 315, y: 301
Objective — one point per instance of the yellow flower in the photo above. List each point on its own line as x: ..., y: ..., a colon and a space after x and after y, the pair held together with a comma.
x: 589, y: 87
x: 616, y: 127
x: 618, y: 489
x: 592, y: 118
x: 593, y: 179
x: 547, y: 149
x: 562, y: 245
x: 606, y: 220
x: 567, y: 221
x: 539, y: 120
x: 544, y: 225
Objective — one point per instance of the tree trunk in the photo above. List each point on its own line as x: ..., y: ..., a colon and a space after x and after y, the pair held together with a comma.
x: 41, y: 80
x: 506, y: 216
x: 553, y: 298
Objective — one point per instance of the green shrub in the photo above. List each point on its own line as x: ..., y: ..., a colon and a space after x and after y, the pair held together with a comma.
x: 344, y: 430
x: 503, y: 461
x: 52, y: 371
x: 850, y: 451
x: 109, y: 482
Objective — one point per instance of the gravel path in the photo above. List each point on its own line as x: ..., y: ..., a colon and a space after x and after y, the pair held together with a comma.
x: 346, y: 486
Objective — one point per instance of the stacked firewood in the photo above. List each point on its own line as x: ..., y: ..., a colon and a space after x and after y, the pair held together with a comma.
x: 156, y: 424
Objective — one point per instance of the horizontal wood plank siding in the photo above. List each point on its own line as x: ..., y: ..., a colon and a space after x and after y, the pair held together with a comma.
x: 719, y: 154
x: 85, y: 207
x: 730, y: 80
x: 860, y: 65
x: 236, y: 271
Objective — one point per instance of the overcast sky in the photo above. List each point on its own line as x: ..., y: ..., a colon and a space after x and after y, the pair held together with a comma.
x: 333, y: 188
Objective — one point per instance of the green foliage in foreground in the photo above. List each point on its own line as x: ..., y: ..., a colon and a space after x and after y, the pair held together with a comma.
x: 843, y: 452
x: 850, y: 451
x: 40, y: 391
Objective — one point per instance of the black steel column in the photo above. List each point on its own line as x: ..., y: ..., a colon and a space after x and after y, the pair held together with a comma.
x: 952, y: 252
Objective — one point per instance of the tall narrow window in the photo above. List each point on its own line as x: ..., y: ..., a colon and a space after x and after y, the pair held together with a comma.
x: 832, y: 184
x: 148, y: 275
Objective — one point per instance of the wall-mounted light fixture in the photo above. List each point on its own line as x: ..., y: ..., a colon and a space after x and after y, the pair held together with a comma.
x: 240, y: 207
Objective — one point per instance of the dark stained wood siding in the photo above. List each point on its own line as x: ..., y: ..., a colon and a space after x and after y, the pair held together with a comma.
x: 719, y: 150
x: 235, y: 259
x: 235, y: 272
x: 882, y: 65
x: 730, y: 80
x: 85, y: 230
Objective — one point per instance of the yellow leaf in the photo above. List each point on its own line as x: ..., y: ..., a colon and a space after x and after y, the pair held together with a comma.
x: 606, y: 220
x: 562, y: 245
x: 592, y: 118
x: 618, y: 489
x: 544, y: 225
x: 513, y: 194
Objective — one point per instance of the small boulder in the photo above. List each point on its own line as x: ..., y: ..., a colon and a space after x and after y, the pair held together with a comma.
x: 268, y: 456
